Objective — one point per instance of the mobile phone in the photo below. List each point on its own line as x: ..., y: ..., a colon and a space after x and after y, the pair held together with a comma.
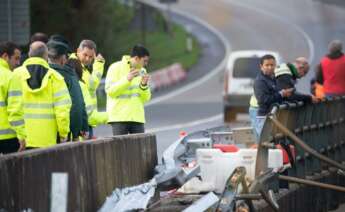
x: 142, y: 72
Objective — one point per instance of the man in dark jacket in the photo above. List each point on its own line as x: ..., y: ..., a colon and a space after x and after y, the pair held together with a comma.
x: 266, y: 90
x: 57, y: 54
x: 287, y: 74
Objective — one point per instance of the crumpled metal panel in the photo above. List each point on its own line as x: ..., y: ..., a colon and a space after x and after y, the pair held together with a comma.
x: 130, y: 198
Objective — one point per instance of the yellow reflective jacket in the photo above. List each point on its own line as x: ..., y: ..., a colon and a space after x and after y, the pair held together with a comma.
x: 94, y: 117
x: 125, y: 100
x: 11, y: 111
x: 92, y: 80
x: 46, y: 102
x: 253, y: 101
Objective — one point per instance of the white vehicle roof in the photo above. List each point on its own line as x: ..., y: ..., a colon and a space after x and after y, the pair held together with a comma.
x: 251, y: 53
x: 244, y: 85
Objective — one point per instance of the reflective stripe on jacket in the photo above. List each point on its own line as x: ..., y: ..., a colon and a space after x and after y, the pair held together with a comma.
x: 125, y: 100
x: 46, y: 102
x: 11, y: 111
x: 94, y: 117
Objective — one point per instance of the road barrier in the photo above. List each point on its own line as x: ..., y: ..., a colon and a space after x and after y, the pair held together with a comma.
x: 94, y: 169
x: 167, y: 76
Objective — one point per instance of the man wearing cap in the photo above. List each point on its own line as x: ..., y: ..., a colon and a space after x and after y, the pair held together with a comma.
x: 57, y: 55
x: 331, y: 71
x: 286, y: 75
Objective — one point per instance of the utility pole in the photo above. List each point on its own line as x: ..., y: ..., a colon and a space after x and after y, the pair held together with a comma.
x: 169, y: 22
x: 9, y: 20
x: 143, y: 23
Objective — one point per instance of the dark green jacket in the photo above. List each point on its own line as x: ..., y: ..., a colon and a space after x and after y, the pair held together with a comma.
x: 78, y: 115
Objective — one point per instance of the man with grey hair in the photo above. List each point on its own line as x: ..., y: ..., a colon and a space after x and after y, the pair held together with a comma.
x: 286, y: 76
x: 46, y: 101
x: 331, y: 70
x: 93, y: 68
x: 57, y: 54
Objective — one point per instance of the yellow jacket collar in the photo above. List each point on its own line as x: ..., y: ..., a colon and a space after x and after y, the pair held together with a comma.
x: 73, y: 56
x: 126, y: 59
x: 4, y: 64
x: 36, y: 61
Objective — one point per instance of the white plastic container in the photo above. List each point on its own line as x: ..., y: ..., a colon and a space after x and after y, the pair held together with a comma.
x: 217, y: 166
x: 208, y: 160
x: 275, y: 158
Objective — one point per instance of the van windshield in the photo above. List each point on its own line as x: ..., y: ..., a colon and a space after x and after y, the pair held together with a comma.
x: 246, y: 67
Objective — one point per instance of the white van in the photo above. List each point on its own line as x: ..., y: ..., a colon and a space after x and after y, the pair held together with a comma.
x: 242, y: 69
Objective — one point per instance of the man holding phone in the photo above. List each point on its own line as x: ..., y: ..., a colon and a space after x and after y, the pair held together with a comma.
x: 127, y: 91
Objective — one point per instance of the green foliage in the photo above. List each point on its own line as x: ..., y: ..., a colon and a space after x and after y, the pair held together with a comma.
x: 164, y: 48
x: 99, y: 20
x: 108, y: 22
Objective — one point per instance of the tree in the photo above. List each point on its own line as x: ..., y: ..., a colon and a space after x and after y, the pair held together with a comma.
x: 101, y: 21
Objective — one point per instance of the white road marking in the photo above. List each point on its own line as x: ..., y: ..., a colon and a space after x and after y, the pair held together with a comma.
x: 186, y: 125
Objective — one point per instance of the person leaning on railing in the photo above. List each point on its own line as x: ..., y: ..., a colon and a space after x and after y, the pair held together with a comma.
x: 266, y: 90
x: 286, y: 76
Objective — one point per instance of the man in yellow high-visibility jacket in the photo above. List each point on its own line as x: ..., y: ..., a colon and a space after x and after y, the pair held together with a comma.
x: 93, y: 68
x: 12, y: 133
x: 94, y: 117
x: 46, y: 100
x: 127, y: 91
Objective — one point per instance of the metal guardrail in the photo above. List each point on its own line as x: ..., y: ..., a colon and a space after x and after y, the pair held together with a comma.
x: 317, y: 132
x: 314, y: 182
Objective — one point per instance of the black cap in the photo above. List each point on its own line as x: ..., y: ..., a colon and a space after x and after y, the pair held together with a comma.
x: 60, y: 38
x: 60, y: 47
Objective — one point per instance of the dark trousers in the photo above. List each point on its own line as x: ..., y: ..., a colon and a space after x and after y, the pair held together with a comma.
x: 9, y: 145
x: 128, y: 127
x: 90, y: 132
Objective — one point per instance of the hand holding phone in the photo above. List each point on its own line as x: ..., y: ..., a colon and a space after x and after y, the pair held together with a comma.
x: 144, y: 79
x: 133, y: 73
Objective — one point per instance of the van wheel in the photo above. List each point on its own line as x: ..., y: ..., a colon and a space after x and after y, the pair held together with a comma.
x: 230, y: 114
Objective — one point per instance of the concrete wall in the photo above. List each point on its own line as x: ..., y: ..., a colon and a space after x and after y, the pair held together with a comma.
x: 95, y: 169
